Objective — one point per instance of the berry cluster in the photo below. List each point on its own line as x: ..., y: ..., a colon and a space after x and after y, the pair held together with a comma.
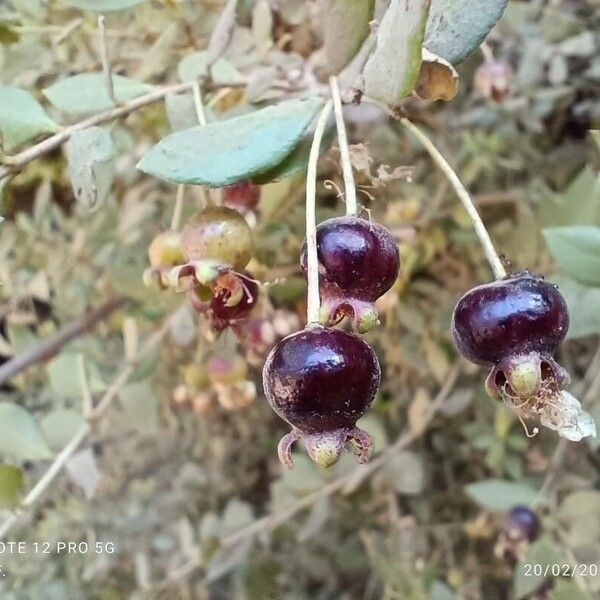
x: 208, y: 259
x: 321, y: 380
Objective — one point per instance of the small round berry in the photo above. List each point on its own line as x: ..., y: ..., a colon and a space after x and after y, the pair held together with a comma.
x: 359, y: 261
x: 519, y: 314
x: 321, y: 381
x: 242, y: 196
x: 521, y: 523
x: 165, y: 250
x: 218, y: 234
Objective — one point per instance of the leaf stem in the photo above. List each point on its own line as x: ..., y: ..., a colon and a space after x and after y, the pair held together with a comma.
x: 480, y: 230
x: 198, y: 104
x: 350, y: 187
x: 110, y: 88
x: 312, y: 259
x: 176, y: 218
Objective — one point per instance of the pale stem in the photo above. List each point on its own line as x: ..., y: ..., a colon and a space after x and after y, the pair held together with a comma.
x: 312, y: 259
x: 351, y: 203
x: 480, y: 230
x: 176, y: 219
x: 199, y: 104
x: 488, y: 55
x: 110, y: 88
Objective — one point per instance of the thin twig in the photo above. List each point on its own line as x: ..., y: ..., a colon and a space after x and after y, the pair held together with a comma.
x: 312, y: 258
x: 345, y: 484
x: 19, y: 161
x: 66, y: 453
x: 349, y: 185
x: 106, y: 69
x: 53, y: 343
x: 176, y: 219
x: 198, y: 104
x: 480, y: 230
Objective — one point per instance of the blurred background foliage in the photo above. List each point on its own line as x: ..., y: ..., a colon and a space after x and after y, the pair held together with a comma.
x: 183, y: 460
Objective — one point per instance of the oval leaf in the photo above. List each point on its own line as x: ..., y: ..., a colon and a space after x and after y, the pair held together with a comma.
x: 21, y: 117
x: 233, y: 150
x: 103, y: 6
x: 20, y: 434
x: 498, y: 494
x: 456, y: 28
x: 392, y: 70
x: 91, y: 157
x: 576, y: 249
x: 87, y: 93
x: 350, y: 16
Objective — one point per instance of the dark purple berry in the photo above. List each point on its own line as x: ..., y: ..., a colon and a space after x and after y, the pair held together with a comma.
x: 321, y: 381
x: 358, y: 262
x: 521, y: 523
x: 514, y: 324
x: 242, y: 196
x: 519, y: 314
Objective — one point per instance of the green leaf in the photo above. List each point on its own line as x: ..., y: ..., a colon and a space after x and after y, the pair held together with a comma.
x: 392, y: 70
x: 456, y: 28
x: 91, y: 156
x: 542, y: 552
x: 296, y: 161
x: 579, y: 204
x: 582, y: 301
x: 103, y: 6
x: 65, y: 382
x: 499, y: 494
x: 21, y: 117
x: 193, y: 67
x: 353, y: 18
x: 224, y: 152
x: 576, y: 249
x: 11, y: 484
x: 87, y: 92
x: 20, y: 434
x: 59, y: 426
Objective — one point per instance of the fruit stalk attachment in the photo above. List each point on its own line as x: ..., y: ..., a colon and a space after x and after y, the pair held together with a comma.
x: 349, y: 185
x: 480, y: 230
x: 312, y: 259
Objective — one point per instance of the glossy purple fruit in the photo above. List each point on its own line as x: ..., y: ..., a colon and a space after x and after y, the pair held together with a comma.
x: 229, y: 303
x: 321, y: 381
x: 242, y: 196
x: 521, y: 523
x: 514, y: 324
x: 359, y: 261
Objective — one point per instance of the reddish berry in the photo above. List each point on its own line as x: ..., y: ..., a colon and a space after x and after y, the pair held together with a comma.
x: 521, y: 524
x: 321, y: 381
x: 359, y: 261
x: 242, y: 196
x: 217, y: 235
x: 519, y: 314
x: 232, y: 300
x: 515, y: 325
